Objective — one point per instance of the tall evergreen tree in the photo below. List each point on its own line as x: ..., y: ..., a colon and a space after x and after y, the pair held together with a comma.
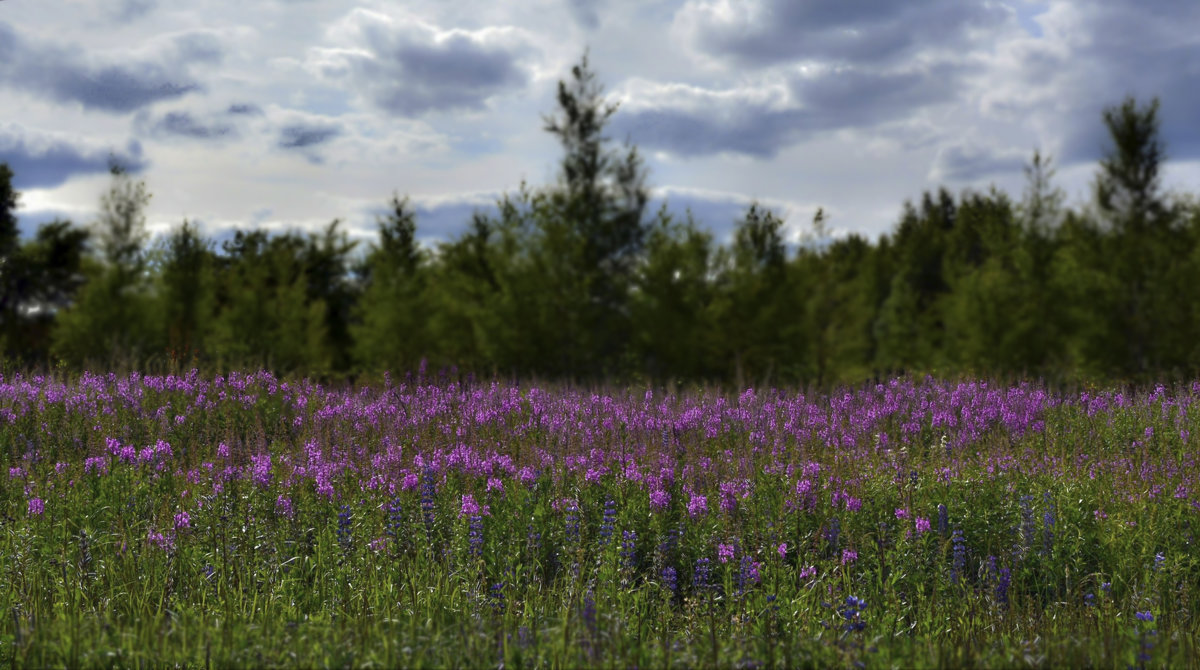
x: 112, y: 319
x: 592, y: 224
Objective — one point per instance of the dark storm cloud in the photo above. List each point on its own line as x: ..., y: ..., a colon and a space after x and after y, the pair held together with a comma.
x: 971, y: 162
x: 753, y: 130
x: 303, y: 135
x: 66, y: 76
x: 831, y: 100
x: 408, y: 70
x: 768, y: 32
x: 184, y: 124
x: 244, y: 109
x: 39, y: 161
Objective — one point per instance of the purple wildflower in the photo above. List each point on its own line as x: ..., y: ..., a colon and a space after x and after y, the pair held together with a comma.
x: 697, y: 506
x: 36, y: 506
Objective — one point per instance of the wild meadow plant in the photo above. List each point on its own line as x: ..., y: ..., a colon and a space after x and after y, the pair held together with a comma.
x: 248, y: 520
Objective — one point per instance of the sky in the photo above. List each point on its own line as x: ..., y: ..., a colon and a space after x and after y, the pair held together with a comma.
x: 287, y: 114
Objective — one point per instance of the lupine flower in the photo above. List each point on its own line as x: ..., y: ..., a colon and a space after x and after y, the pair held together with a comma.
x: 702, y: 573
x: 36, y: 506
x: 832, y: 534
x: 724, y: 552
x: 1027, y: 527
x: 747, y: 574
x: 1159, y: 560
x: 1144, y: 616
x: 343, y: 527
x: 606, y: 524
x: 628, y: 549
x: 852, y: 611
x: 395, y: 519
x: 475, y: 536
x: 283, y: 507
x: 1048, y: 524
x: 572, y: 520
x: 669, y: 579
x: 943, y: 519
x: 959, y: 553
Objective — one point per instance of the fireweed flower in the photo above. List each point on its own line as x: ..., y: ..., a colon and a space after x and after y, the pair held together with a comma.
x: 164, y: 542
x: 901, y: 513
x: 182, y: 520
x: 782, y: 550
x: 36, y: 506
x: 469, y: 507
x: 724, y: 552
x: 659, y: 500
x: 697, y: 505
x: 923, y: 525
x: 810, y: 571
x: 849, y: 556
x: 494, y: 484
x: 260, y: 469
x: 747, y: 574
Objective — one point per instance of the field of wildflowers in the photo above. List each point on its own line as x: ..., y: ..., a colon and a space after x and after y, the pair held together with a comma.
x: 432, y: 523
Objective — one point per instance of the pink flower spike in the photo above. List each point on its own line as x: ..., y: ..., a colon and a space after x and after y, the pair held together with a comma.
x: 782, y: 549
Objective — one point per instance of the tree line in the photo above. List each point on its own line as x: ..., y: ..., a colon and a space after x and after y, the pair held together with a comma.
x: 578, y: 281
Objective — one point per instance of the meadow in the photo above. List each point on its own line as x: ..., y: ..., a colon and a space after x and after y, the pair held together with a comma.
x: 429, y: 522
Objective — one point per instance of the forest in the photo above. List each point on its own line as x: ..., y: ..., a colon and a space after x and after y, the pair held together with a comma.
x: 577, y: 281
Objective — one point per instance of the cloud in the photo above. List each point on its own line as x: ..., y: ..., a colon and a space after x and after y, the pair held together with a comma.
x: 769, y: 32
x: 114, y: 82
x: 244, y: 109
x: 1091, y: 55
x: 409, y: 67
x: 131, y: 10
x: 185, y: 125
x: 303, y: 135
x: 762, y: 120
x: 972, y: 161
x: 43, y: 160
x: 584, y: 13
